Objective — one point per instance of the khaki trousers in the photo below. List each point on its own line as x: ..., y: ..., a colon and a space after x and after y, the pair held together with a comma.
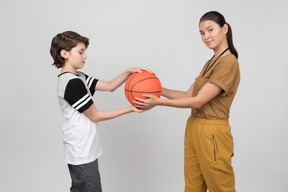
x: 208, y: 152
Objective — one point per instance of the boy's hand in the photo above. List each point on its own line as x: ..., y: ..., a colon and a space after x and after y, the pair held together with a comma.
x: 138, y: 70
x: 136, y: 109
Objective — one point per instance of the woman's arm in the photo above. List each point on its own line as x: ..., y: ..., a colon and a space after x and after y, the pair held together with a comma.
x: 174, y: 94
x: 207, y: 93
x: 119, y: 80
x: 97, y: 116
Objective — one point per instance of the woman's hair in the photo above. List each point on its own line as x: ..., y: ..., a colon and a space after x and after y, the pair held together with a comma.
x: 220, y: 20
x: 66, y: 40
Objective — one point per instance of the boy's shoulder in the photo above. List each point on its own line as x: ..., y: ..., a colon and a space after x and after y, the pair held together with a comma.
x: 67, y: 76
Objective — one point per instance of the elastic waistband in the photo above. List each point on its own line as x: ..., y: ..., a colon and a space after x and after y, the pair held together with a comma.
x: 210, y: 121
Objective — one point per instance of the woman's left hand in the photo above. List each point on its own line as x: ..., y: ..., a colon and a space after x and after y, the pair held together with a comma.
x: 139, y: 70
x: 146, y: 104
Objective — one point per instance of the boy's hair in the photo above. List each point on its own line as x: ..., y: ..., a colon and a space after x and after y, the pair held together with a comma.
x: 66, y: 40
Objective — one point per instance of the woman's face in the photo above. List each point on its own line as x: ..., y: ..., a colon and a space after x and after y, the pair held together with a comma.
x: 212, y: 35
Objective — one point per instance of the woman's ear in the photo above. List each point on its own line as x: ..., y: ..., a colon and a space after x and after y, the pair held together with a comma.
x: 225, y: 28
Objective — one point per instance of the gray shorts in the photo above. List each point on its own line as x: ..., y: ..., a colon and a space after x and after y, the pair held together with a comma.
x: 85, y: 177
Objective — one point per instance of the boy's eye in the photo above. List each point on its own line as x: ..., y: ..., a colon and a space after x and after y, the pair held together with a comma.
x: 210, y: 30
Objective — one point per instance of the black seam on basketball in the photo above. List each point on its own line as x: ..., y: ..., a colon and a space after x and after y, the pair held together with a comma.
x: 131, y: 79
x: 143, y: 80
x: 129, y: 86
x: 142, y: 91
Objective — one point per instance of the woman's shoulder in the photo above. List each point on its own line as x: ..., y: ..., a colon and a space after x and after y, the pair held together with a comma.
x: 229, y: 58
x: 229, y: 62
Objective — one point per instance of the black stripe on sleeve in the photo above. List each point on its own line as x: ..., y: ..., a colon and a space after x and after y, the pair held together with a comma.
x: 77, y: 95
x: 91, y: 83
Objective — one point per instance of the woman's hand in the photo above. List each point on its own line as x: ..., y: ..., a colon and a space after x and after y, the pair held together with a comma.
x: 146, y: 104
x: 138, y: 70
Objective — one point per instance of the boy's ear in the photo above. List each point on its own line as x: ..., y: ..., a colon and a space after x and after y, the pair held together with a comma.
x: 64, y: 53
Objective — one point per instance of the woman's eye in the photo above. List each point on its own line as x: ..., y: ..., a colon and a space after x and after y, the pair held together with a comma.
x: 210, y: 30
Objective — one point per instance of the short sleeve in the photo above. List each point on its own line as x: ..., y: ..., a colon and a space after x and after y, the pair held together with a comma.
x: 77, y: 95
x: 91, y: 83
x: 224, y: 76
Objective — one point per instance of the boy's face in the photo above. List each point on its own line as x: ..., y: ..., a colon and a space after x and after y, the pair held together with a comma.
x: 76, y: 56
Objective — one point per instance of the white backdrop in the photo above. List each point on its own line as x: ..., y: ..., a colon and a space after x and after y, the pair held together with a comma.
x: 142, y: 152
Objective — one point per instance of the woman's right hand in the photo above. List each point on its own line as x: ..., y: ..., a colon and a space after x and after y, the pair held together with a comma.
x: 146, y: 104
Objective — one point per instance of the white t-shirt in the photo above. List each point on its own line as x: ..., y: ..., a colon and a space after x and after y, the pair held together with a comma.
x: 81, y: 135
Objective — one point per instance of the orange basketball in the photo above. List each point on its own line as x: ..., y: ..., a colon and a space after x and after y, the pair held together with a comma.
x: 139, y: 84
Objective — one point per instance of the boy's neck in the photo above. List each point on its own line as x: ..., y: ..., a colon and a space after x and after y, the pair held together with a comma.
x: 68, y: 69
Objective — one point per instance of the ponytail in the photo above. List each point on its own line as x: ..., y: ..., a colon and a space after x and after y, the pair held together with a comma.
x: 230, y: 41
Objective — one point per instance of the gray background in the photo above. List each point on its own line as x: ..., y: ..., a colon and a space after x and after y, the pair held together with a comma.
x: 142, y: 152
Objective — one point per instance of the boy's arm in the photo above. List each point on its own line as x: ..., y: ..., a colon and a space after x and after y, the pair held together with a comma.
x: 77, y: 95
x: 97, y: 116
x: 119, y: 80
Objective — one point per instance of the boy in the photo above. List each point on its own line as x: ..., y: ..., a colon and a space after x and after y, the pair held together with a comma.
x: 82, y: 145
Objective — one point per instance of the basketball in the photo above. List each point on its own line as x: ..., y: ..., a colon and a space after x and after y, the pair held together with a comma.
x: 139, y: 84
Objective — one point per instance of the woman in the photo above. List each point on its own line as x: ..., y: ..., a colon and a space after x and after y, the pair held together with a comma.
x: 208, y: 140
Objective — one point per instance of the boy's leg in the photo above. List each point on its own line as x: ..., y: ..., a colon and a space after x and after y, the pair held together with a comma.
x: 194, y: 180
x: 85, y: 177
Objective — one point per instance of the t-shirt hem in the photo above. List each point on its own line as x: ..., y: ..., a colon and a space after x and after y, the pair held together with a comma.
x: 83, y: 161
